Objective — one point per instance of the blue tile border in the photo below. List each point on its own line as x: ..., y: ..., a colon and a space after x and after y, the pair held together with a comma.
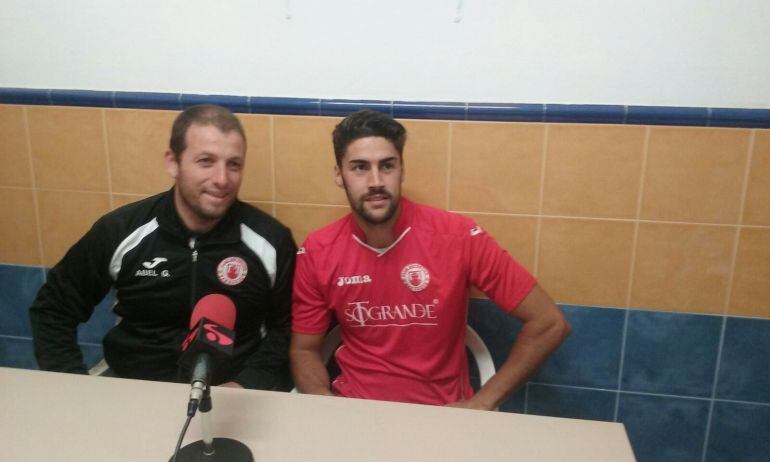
x: 82, y: 98
x: 343, y: 107
x: 234, y: 103
x: 430, y: 110
x: 25, y: 96
x: 585, y: 113
x: 285, y: 106
x: 496, y: 112
x: 142, y: 100
x: 745, y: 118
x: 660, y: 115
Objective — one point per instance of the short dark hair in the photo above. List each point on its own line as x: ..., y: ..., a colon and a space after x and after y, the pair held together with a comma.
x: 202, y: 114
x: 362, y: 124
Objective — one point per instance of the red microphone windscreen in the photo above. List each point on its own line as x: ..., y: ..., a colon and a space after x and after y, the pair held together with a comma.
x: 215, y: 307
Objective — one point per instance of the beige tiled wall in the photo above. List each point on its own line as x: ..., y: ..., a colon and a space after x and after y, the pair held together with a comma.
x: 662, y: 218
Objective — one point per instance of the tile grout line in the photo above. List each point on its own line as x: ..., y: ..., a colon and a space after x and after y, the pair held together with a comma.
x: 448, y: 164
x: 632, y: 268
x: 15, y: 337
x: 573, y: 387
x: 107, y: 159
x: 303, y: 204
x: 519, y: 215
x: 35, y: 198
x: 539, y: 221
x: 728, y: 294
x: 737, y: 401
x: 645, y: 393
x: 639, y: 196
x: 90, y: 191
x: 619, y: 220
x: 737, y: 237
x: 20, y: 265
x: 714, y: 385
x: 622, y: 364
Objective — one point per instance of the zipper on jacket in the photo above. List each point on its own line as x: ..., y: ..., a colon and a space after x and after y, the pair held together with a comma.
x: 193, y: 271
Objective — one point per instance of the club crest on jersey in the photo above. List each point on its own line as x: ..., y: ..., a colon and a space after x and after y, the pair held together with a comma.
x: 232, y: 271
x: 415, y: 276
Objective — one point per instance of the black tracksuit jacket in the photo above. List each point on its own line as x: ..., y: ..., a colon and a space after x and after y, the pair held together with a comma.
x: 159, y: 270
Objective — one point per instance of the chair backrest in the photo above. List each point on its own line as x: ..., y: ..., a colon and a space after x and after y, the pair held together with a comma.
x: 473, y: 342
x: 99, y: 368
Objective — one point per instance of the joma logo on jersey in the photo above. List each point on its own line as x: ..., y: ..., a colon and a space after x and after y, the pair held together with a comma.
x: 155, y: 262
x: 353, y: 280
x: 150, y: 271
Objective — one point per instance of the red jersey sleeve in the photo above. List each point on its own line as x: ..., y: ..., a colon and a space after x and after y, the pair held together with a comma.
x: 495, y: 272
x: 310, y: 310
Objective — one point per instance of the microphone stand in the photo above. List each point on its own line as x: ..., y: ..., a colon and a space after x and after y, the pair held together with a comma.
x: 212, y: 449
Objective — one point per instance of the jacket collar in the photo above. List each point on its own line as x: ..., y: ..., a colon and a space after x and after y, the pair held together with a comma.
x: 226, y: 231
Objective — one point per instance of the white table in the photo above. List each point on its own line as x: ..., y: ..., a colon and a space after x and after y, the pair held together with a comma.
x: 50, y: 416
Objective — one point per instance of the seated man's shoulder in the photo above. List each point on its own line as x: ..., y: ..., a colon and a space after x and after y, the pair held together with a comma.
x: 261, y: 222
x: 440, y: 221
x: 133, y: 213
x: 325, y: 238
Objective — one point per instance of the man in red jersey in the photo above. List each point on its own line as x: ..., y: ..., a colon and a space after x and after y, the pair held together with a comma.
x: 396, y: 275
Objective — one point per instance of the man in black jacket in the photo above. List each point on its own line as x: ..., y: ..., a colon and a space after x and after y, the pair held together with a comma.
x: 162, y: 254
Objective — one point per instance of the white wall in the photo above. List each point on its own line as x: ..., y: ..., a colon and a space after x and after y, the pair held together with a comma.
x: 711, y: 53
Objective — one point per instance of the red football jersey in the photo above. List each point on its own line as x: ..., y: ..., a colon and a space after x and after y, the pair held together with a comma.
x: 403, y: 309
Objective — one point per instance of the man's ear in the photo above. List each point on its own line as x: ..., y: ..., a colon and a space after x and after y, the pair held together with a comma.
x: 172, y: 166
x: 338, y: 177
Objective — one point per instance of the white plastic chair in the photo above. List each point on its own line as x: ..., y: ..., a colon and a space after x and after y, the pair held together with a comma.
x: 99, y: 368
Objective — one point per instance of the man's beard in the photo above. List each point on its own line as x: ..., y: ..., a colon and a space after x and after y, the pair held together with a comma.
x: 360, y: 209
x: 194, y: 203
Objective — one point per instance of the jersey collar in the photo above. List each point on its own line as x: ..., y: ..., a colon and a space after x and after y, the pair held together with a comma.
x: 401, y: 227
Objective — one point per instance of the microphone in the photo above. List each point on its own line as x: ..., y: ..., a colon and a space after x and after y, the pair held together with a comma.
x: 210, y: 341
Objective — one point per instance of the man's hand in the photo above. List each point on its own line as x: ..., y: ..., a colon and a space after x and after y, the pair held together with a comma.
x: 307, y: 368
x: 471, y: 404
x: 231, y: 385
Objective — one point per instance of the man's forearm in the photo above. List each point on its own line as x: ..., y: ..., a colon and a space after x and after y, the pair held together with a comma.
x: 532, y: 348
x: 309, y: 373
x: 544, y: 328
x: 268, y: 367
x: 55, y: 343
